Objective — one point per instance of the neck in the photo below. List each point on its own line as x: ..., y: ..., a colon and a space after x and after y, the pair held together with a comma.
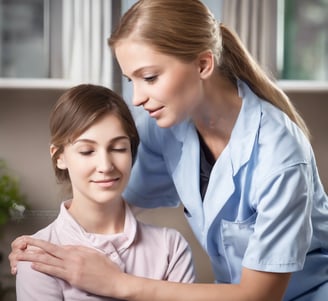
x: 217, y: 114
x: 99, y: 218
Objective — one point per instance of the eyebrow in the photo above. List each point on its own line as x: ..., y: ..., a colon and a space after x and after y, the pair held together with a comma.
x: 115, y: 139
x: 139, y: 70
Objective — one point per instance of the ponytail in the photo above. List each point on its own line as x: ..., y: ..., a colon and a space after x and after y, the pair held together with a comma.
x: 236, y: 62
x: 188, y: 29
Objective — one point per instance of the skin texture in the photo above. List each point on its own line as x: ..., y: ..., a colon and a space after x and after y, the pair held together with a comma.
x: 164, y: 86
x: 99, y: 163
x: 170, y: 90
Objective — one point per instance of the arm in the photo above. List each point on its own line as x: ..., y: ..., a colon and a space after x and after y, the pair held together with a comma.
x: 254, y: 286
x: 93, y: 272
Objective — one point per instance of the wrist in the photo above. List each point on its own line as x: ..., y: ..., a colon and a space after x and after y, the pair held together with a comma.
x: 130, y: 287
x: 123, y: 288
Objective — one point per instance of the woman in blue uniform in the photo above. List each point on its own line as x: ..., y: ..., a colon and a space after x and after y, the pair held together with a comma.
x: 224, y: 140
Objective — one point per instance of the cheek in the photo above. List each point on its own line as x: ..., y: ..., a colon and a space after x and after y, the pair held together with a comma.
x: 186, y: 84
x: 79, y: 168
x: 127, y: 166
x: 123, y: 162
x: 76, y: 173
x: 187, y: 95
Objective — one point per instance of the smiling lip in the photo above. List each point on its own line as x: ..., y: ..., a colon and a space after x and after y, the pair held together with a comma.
x: 106, y: 183
x: 155, y: 113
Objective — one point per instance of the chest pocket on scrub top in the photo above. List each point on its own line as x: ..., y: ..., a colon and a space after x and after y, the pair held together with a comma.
x: 233, y: 244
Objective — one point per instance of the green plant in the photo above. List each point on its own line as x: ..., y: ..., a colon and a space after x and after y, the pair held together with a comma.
x: 12, y: 202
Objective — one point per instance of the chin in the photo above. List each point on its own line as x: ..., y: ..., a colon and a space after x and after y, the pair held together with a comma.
x: 164, y: 123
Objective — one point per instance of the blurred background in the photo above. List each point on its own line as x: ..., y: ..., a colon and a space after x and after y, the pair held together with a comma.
x: 47, y: 46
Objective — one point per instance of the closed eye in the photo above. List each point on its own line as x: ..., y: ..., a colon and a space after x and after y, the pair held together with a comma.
x: 119, y: 149
x: 150, y: 79
x: 86, y: 153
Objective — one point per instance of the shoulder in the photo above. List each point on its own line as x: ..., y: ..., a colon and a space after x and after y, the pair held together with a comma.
x: 33, y: 285
x: 276, y: 144
x: 49, y: 233
x: 25, y: 271
x: 277, y: 135
x: 280, y: 140
x: 270, y: 140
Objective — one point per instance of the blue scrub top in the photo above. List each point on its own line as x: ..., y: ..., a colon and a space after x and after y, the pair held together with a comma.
x: 265, y: 208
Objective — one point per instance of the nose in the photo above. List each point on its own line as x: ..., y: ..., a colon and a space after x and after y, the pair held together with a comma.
x: 104, y: 163
x: 139, y: 97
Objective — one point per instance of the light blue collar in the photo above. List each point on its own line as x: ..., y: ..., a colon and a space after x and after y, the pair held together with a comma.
x: 245, y: 130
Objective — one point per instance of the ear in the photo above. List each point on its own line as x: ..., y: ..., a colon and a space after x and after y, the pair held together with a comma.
x: 206, y: 64
x: 60, y: 161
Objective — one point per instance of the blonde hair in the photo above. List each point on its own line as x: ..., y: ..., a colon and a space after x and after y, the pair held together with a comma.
x: 184, y: 29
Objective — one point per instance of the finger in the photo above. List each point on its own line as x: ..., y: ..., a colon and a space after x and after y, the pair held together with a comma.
x: 19, y: 243
x: 12, y: 257
x: 39, y: 256
x: 27, y: 255
x: 47, y: 247
x: 13, y: 270
x: 56, y: 250
x: 32, y: 255
x: 55, y: 271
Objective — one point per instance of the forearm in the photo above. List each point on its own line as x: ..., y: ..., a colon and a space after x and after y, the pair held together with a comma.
x: 140, y: 289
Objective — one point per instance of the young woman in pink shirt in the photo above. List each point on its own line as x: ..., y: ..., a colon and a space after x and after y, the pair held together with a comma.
x: 93, y: 146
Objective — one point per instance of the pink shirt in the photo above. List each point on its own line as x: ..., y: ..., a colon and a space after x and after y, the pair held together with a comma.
x: 142, y: 250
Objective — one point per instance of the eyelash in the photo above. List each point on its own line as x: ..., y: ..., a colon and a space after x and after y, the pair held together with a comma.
x: 119, y: 150
x: 86, y: 153
x: 150, y: 79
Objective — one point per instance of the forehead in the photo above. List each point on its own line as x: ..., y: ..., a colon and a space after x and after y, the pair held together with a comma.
x: 109, y: 124
x: 131, y: 44
x: 133, y: 55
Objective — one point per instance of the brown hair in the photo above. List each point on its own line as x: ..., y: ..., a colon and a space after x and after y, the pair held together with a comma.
x: 184, y: 29
x: 78, y: 109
